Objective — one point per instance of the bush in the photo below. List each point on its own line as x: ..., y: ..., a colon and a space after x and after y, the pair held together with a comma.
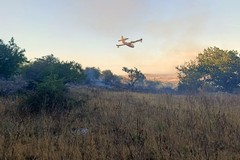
x: 48, y: 65
x: 50, y: 96
x: 47, y: 78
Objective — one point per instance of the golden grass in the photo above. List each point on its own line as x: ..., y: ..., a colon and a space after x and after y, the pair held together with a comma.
x: 125, y: 125
x: 171, y: 78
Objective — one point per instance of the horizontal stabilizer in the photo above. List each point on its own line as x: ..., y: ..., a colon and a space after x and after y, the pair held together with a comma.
x: 120, y: 40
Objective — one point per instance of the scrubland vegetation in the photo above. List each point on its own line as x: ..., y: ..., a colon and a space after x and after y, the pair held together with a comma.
x: 53, y: 109
x: 124, y: 125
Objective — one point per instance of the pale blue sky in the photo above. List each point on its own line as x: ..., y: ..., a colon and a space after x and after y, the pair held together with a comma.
x: 173, y: 31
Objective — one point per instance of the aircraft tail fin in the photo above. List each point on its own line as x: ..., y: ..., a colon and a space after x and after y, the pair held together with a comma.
x: 122, y: 39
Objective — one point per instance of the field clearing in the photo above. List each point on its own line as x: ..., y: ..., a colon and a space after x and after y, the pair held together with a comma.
x: 164, y: 78
x: 125, y: 125
x: 167, y: 78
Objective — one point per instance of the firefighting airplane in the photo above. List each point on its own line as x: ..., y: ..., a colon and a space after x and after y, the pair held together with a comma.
x: 129, y: 44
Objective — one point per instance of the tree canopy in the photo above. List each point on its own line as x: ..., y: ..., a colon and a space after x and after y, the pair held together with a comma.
x: 49, y: 65
x: 213, y: 70
x: 109, y: 78
x: 11, y: 58
x: 92, y: 74
x: 134, y: 75
x: 47, y: 76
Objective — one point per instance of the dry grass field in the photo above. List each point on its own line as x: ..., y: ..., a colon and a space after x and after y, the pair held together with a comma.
x: 164, y: 78
x: 167, y: 78
x: 125, y: 125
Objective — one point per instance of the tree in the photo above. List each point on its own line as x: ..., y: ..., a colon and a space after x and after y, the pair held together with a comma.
x: 134, y: 75
x: 109, y: 78
x: 49, y: 65
x: 92, y: 74
x: 189, y: 77
x: 214, y: 70
x: 11, y: 58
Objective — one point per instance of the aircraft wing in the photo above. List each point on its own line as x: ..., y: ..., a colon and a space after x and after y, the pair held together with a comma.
x: 120, y: 40
x: 140, y: 40
x: 118, y: 45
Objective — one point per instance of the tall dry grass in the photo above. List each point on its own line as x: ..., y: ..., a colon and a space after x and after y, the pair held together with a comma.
x: 125, y: 125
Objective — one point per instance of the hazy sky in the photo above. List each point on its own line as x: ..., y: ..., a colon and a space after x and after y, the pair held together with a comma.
x: 86, y: 31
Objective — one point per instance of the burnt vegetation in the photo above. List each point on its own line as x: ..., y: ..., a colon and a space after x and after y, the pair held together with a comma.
x: 53, y: 109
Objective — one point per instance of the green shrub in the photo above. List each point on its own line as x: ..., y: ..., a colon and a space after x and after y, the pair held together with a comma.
x: 35, y: 72
x: 47, y: 78
x: 50, y: 96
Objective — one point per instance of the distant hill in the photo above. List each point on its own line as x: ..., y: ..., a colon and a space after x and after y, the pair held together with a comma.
x: 164, y: 78
x: 167, y: 78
